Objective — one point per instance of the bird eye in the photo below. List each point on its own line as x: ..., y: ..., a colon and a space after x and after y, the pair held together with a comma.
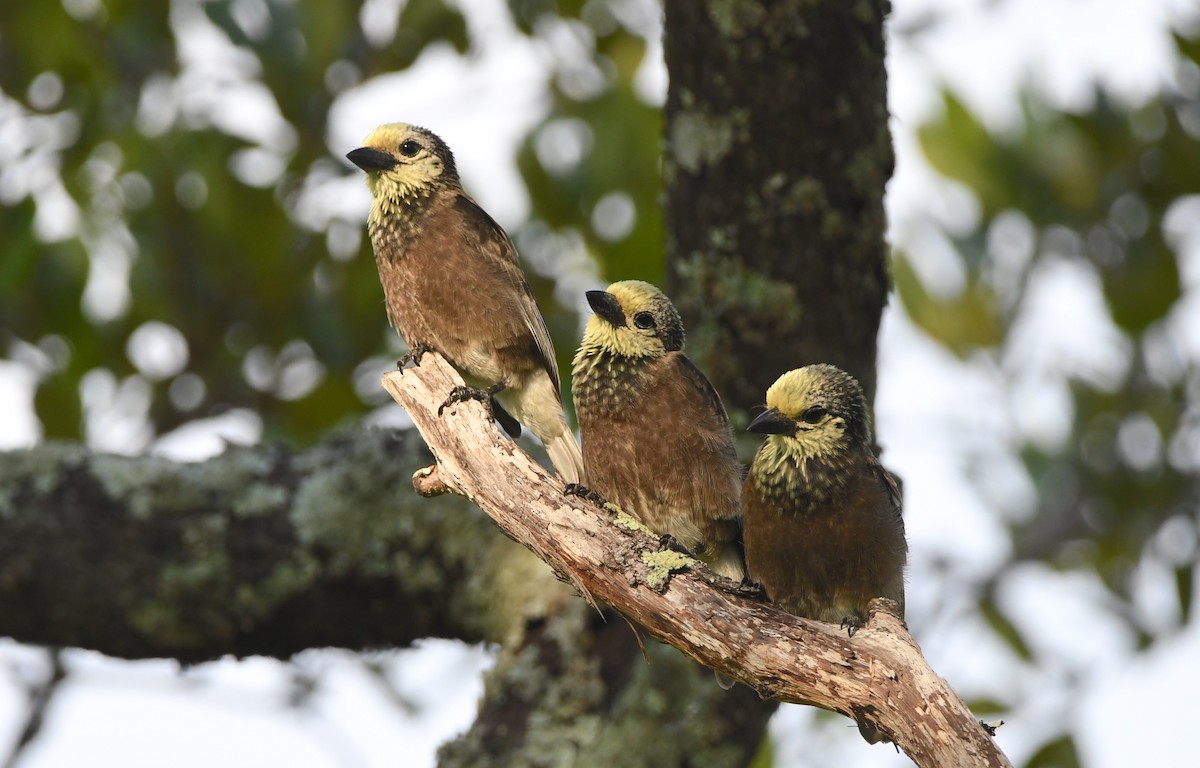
x: 644, y: 320
x: 410, y: 148
x: 814, y: 414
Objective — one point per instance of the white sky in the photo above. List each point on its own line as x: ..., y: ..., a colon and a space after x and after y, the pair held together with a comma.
x: 231, y: 713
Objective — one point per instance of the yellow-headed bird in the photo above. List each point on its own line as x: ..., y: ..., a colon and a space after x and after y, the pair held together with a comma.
x: 452, y: 284
x: 656, y: 440
x: 823, y: 528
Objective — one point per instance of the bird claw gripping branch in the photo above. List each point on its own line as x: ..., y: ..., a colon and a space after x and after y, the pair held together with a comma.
x: 461, y: 394
x: 413, y: 356
x: 667, y: 541
x: 852, y: 624
x: 583, y: 492
x: 748, y: 588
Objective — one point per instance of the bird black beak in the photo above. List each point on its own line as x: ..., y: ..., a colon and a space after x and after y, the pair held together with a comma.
x: 606, y: 305
x: 371, y: 159
x: 772, y: 422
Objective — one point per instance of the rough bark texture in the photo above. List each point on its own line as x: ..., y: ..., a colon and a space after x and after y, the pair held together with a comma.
x: 262, y: 551
x: 878, y: 677
x: 577, y: 690
x: 258, y: 551
x: 777, y: 154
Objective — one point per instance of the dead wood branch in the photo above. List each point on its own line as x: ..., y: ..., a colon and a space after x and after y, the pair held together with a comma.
x: 878, y: 677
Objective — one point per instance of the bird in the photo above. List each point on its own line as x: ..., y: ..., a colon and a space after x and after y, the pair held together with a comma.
x: 656, y: 439
x: 823, y: 529
x: 452, y: 283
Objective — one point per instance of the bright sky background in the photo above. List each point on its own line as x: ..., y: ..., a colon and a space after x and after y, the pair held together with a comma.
x: 234, y: 713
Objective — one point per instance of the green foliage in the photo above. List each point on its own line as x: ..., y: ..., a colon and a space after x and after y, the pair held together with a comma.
x: 109, y: 119
x: 1096, y: 190
x: 1059, y: 753
x: 604, y: 184
x: 765, y: 756
x: 962, y: 323
x: 207, y: 208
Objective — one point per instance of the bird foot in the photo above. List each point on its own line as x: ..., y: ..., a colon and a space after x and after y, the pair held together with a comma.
x: 414, y: 355
x: 461, y: 394
x: 852, y: 624
x: 583, y: 492
x: 667, y: 541
x: 867, y: 727
x: 750, y: 588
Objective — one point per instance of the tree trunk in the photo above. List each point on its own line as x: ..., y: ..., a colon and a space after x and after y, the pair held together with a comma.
x: 777, y: 154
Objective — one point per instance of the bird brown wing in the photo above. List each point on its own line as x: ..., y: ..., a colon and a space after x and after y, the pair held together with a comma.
x: 699, y: 405
x: 891, y: 486
x: 702, y: 389
x: 494, y: 242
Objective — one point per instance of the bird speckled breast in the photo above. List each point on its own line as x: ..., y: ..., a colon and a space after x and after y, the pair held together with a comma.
x: 392, y: 237
x: 454, y: 285
x: 681, y: 481
x: 825, y: 552
x: 606, y: 384
x: 823, y: 482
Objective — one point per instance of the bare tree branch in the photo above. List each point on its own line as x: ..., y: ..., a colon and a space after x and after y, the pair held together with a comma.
x: 878, y: 677
x: 40, y: 695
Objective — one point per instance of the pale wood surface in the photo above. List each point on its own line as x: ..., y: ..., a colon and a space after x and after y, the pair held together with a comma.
x: 879, y: 675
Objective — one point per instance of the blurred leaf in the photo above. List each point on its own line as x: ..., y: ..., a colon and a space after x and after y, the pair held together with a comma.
x: 963, y: 323
x: 1189, y: 47
x: 434, y: 20
x: 1005, y: 629
x: 1144, y: 286
x: 1059, y: 753
x: 18, y: 257
x: 1185, y: 580
x: 57, y: 404
x: 526, y: 13
x: 985, y: 708
x: 765, y: 756
x: 959, y: 146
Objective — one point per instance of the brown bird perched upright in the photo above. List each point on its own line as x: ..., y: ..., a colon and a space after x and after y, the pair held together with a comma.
x: 656, y: 441
x: 452, y: 284
x: 823, y: 529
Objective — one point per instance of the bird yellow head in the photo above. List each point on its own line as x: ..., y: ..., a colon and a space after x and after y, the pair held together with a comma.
x: 404, y: 162
x: 814, y: 411
x: 632, y: 319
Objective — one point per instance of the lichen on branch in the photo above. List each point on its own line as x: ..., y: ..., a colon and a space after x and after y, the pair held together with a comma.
x: 878, y: 677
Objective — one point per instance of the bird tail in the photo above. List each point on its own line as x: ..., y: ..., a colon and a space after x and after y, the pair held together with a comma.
x: 727, y: 562
x: 566, y: 456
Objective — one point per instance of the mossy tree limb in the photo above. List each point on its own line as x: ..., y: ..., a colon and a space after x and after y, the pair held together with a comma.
x: 258, y: 551
x: 266, y: 551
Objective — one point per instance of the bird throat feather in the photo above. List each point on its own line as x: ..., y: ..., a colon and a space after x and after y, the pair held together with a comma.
x: 396, y: 216
x: 605, y: 382
x: 603, y: 337
x: 394, y: 195
x: 788, y: 472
